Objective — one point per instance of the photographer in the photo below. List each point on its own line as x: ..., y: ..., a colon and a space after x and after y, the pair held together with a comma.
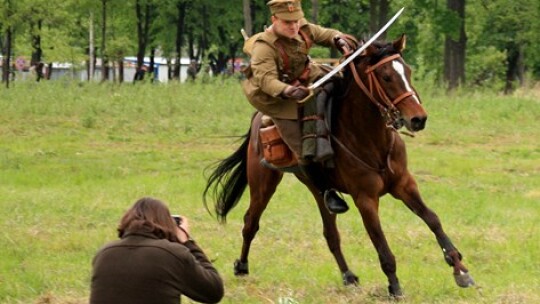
x: 155, y: 261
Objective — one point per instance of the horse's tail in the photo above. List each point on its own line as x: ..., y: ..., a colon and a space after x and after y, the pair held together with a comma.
x: 228, y: 181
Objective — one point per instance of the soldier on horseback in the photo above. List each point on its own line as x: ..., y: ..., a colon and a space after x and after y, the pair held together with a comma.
x: 277, y: 78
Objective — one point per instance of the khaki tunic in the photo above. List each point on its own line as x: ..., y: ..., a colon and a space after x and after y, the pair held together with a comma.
x: 266, y: 80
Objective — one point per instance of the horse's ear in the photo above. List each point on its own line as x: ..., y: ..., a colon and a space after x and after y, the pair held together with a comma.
x: 400, y: 43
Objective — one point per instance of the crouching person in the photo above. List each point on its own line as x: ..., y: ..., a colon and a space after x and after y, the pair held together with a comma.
x: 155, y: 261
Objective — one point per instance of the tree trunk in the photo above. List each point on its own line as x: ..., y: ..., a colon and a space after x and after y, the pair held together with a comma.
x: 37, y: 52
x: 248, y: 23
x: 7, y: 55
x: 373, y: 13
x: 514, y: 68
x: 204, y: 36
x: 49, y: 71
x: 383, y: 15
x: 454, y: 51
x: 151, y: 69
x: 181, y: 13
x: 233, y: 49
x: 104, y: 57
x: 191, y: 45
x: 143, y: 34
x: 314, y: 11
x: 120, y: 70
x: 378, y: 15
x: 141, y: 44
x: 91, y: 48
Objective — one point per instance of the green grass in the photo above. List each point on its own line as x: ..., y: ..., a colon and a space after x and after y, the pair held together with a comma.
x: 74, y: 157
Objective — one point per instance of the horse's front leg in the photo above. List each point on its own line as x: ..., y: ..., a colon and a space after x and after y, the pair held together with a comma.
x: 369, y: 210
x: 333, y: 240
x: 407, y: 191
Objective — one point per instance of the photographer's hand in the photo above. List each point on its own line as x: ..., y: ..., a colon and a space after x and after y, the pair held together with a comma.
x: 182, y: 231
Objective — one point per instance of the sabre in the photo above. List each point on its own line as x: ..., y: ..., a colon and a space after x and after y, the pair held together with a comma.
x: 356, y: 53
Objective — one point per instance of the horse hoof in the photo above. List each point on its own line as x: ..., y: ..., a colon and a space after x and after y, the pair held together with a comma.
x: 349, y: 278
x: 464, y: 279
x: 240, y: 268
x: 395, y: 292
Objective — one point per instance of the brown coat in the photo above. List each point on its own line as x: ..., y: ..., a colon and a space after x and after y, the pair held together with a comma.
x: 141, y: 268
x: 266, y: 79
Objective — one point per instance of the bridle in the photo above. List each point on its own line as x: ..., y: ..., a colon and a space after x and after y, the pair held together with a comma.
x: 386, y: 106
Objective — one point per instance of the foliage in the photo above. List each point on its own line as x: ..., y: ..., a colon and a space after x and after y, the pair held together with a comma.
x: 493, y: 29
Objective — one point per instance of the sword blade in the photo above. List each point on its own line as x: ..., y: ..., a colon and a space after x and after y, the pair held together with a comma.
x: 356, y: 53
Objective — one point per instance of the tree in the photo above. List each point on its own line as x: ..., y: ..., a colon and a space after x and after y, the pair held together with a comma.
x: 145, y: 11
x: 378, y: 15
x: 6, y: 47
x: 104, y: 57
x: 314, y: 11
x: 181, y: 7
x: 512, y: 27
x: 455, y: 46
x: 248, y: 23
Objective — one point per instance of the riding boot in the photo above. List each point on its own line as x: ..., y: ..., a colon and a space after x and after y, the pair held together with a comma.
x: 333, y: 202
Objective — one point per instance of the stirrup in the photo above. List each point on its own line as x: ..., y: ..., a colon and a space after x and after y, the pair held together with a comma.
x: 340, y: 207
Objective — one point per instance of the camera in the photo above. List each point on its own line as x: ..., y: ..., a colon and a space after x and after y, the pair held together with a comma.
x: 177, y: 219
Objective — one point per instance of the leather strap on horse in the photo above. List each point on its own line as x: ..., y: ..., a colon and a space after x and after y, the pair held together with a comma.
x: 374, y: 82
x: 387, y: 108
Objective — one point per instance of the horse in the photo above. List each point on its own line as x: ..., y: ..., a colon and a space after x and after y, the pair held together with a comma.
x: 370, y: 160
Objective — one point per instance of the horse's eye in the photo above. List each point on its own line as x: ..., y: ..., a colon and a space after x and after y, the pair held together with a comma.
x: 386, y: 78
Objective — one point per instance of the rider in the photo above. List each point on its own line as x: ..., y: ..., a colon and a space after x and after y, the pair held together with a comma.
x: 278, y: 74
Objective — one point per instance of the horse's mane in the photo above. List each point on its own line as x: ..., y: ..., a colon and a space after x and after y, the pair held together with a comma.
x: 384, y: 49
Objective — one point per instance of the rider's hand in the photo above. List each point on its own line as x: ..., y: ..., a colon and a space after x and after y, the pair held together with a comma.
x: 345, y: 43
x: 296, y: 92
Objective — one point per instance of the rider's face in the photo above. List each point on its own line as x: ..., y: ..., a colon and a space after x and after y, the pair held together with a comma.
x: 285, y: 28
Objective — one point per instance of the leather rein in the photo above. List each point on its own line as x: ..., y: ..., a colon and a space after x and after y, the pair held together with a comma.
x: 386, y: 106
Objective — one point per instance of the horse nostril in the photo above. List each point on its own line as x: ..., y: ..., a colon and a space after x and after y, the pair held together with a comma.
x: 418, y: 123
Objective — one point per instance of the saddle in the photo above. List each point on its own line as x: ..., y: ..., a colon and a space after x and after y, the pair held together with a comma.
x: 316, y: 129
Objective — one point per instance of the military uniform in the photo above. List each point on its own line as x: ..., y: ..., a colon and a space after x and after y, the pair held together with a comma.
x: 280, y: 63
x: 267, y: 81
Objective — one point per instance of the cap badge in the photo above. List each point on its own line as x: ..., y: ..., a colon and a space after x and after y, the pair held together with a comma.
x: 290, y: 7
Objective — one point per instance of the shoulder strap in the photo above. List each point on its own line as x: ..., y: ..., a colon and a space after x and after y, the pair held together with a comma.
x: 306, y: 38
x: 285, y: 57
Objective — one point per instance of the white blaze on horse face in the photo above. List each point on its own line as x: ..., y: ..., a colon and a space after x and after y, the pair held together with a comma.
x: 400, y: 69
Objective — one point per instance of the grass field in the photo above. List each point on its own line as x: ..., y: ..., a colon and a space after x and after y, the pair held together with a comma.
x: 74, y: 157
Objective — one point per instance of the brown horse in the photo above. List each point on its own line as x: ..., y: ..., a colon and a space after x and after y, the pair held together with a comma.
x: 370, y: 161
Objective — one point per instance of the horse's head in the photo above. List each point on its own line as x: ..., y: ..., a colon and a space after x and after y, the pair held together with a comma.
x: 389, y: 84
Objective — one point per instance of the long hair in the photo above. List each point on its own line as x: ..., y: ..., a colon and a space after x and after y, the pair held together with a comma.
x: 148, y: 215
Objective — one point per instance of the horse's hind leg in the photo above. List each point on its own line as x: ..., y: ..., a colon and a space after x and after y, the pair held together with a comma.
x: 262, y: 185
x: 408, y: 192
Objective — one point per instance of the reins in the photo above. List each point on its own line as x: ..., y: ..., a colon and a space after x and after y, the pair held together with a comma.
x: 387, y: 107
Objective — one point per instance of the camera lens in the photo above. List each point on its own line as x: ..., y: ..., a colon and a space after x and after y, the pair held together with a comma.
x: 177, y: 219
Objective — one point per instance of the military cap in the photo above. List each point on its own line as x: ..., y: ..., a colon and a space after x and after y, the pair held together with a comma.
x: 290, y: 10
